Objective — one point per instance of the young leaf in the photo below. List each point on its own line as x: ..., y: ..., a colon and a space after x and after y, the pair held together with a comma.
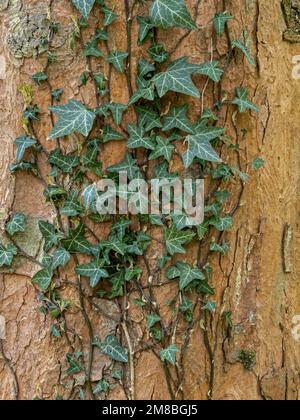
x: 171, y: 13
x: 23, y: 143
x: 223, y: 223
x: 148, y: 118
x: 162, y: 148
x: 210, y: 307
x: 109, y: 16
x: 17, y: 224
x: 158, y: 53
x: 137, y: 139
x: 112, y: 348
x: 175, y: 239
x: 77, y: 242
x: 117, y: 58
x: 223, y: 249
x: 61, y: 257
x: 49, y: 234
x: 74, y: 365
x: 73, y: 117
x: 242, y: 101
x: 145, y: 27
x: 109, y: 134
x: 186, y: 273
x: 258, y: 163
x: 177, y: 78
x: 241, y: 46
x: 7, y: 254
x: 84, y: 6
x: 102, y: 386
x: 211, y: 69
x: 169, y: 354
x: 39, y: 77
x: 128, y: 165
x: 65, y: 163
x: 178, y: 119
x: 117, y: 111
x: 152, y: 320
x: 200, y: 149
x: 220, y: 21
x: 43, y: 278
x: 93, y: 271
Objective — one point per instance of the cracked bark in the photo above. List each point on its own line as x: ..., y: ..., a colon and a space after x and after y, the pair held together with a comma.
x: 259, y: 280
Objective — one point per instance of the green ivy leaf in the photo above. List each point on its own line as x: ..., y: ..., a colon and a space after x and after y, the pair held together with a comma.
x: 117, y: 58
x: 258, y: 163
x: 43, y: 278
x: 158, y: 53
x: 77, y: 242
x: 72, y: 206
x: 60, y: 258
x: 7, y: 254
x: 23, y: 143
x: 152, y: 320
x: 198, y: 148
x: 242, y: 101
x: 223, y: 249
x: 177, y: 78
x: 57, y: 93
x: 241, y: 46
x: 145, y: 26
x: 39, y: 77
x: 175, y: 239
x: 93, y: 271
x: 137, y: 139
x: 119, y: 228
x: 49, y: 234
x: 112, y: 348
x: 186, y: 273
x: 168, y: 13
x: 162, y: 148
x: 17, y: 224
x: 90, y: 195
x: 148, y: 118
x: 220, y: 21
x: 109, y: 16
x: 73, y: 117
x: 210, y: 307
x: 91, y: 49
x: 74, y: 365
x: 128, y: 165
x: 23, y: 166
x: 84, y: 6
x: 211, y: 69
x: 178, y: 119
x: 102, y: 386
x: 65, y: 163
x: 223, y: 223
x: 109, y: 134
x: 169, y: 354
x: 117, y: 111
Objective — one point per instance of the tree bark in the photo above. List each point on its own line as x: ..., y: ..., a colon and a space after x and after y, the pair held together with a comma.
x: 258, y: 281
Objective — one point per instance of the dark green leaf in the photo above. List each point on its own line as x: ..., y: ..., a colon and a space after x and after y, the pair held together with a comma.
x: 23, y: 143
x: 137, y: 138
x: 16, y: 224
x: 43, y: 278
x: 84, y: 6
x: 178, y: 119
x: 241, y: 46
x: 117, y: 111
x: 169, y: 354
x: 220, y: 21
x: 7, y: 254
x: 171, y: 13
x: 112, y: 348
x: 93, y: 271
x: 65, y: 163
x: 242, y: 101
x: 175, y: 239
x: 117, y: 58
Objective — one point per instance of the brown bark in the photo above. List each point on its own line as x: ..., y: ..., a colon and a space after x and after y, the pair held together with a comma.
x: 258, y: 281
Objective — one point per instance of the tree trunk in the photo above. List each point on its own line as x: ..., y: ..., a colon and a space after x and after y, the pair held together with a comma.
x: 257, y: 281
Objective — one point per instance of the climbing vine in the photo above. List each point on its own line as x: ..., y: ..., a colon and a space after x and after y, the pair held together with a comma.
x: 159, y: 131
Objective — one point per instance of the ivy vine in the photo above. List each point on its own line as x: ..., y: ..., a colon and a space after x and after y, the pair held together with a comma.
x: 118, y: 268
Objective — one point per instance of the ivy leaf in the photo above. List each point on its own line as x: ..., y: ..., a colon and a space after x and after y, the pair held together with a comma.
x: 116, y: 58
x: 43, y: 278
x: 152, y: 320
x: 17, y: 224
x: 241, y: 46
x: 109, y: 16
x: 117, y: 111
x: 84, y: 6
x: 223, y: 249
x: 200, y: 149
x: 158, y: 53
x: 242, y: 101
x: 169, y: 354
x: 162, y: 148
x: 57, y: 93
x: 186, y: 273
x: 77, y: 242
x: 7, y: 254
x: 61, y: 257
x: 102, y: 386
x: 91, y: 49
x: 137, y: 139
x: 93, y: 271
x: 128, y: 165
x: 112, y: 348
x: 145, y: 27
x: 72, y: 117
x: 119, y: 228
x: 175, y: 239
x: 223, y: 223
x: 109, y: 134
x: 220, y: 21
x: 210, y: 307
x: 65, y: 163
x: 169, y: 13
x: 74, y: 365
x: 211, y: 69
x: 148, y: 118
x: 49, y: 234
x: 177, y: 78
x: 90, y: 195
x: 178, y: 119
x: 23, y: 143
x: 39, y: 77
x: 72, y: 206
x: 258, y: 163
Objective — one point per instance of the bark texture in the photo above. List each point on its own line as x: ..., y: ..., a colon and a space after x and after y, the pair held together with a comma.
x: 258, y: 281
